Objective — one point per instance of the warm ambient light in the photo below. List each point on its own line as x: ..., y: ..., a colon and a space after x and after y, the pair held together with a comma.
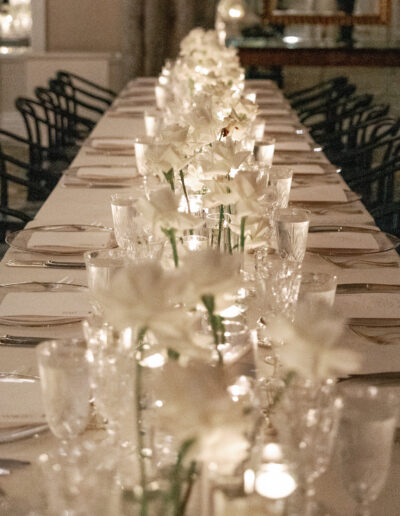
x: 275, y: 482
x: 236, y: 12
x: 291, y: 40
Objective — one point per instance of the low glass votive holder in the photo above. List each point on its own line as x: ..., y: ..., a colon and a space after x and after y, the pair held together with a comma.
x: 194, y: 242
x: 152, y: 122
x: 161, y: 96
x: 264, y: 150
x: 318, y: 288
x: 219, y: 233
x: 257, y: 129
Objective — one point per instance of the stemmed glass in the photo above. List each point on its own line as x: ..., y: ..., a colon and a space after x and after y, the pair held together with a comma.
x: 307, y: 420
x: 64, y: 380
x: 366, y: 439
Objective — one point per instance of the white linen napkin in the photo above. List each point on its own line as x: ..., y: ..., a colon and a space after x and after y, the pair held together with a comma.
x: 274, y: 112
x: 106, y: 173
x: 318, y: 193
x: 307, y: 169
x: 264, y: 100
x: 20, y: 402
x: 68, y: 240
x: 292, y: 146
x: 279, y: 128
x: 58, y: 305
x: 131, y: 110
x: 135, y: 101
x: 369, y: 305
x: 342, y: 240
x: 112, y: 143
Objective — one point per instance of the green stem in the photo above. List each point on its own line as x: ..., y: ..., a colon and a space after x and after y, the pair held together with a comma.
x: 169, y: 176
x: 184, y: 189
x: 242, y: 235
x: 220, y: 224
x: 191, y: 477
x: 171, y: 235
x: 216, y: 324
x: 139, y: 428
x: 229, y: 232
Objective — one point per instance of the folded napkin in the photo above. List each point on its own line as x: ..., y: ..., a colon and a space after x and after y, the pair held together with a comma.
x: 20, y: 402
x: 49, y: 305
x: 270, y: 99
x: 114, y: 173
x: 292, y: 146
x: 68, y: 240
x: 369, y: 305
x: 135, y: 101
x: 273, y: 112
x: 112, y: 143
x: 319, y: 193
x: 342, y: 240
x: 307, y: 169
x: 280, y: 128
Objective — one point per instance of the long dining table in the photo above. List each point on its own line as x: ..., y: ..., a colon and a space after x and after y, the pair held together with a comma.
x: 89, y: 204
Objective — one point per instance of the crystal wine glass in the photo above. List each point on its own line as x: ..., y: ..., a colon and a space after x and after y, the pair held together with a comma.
x: 366, y: 439
x: 64, y: 379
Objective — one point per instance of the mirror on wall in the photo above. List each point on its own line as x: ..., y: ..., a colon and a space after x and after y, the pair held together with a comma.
x: 325, y: 12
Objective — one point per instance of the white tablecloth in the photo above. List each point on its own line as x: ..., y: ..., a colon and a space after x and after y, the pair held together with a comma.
x: 92, y: 206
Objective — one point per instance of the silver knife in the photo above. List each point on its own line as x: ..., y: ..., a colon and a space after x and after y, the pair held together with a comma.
x: 365, y: 288
x: 374, y: 323
x: 52, y: 264
x: 13, y: 463
x: 21, y: 340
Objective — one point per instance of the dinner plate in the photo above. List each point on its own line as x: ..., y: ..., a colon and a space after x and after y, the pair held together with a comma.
x: 384, y: 241
x: 20, y: 239
x: 39, y: 287
x: 16, y: 426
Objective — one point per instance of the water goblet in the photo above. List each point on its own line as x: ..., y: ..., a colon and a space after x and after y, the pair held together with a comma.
x: 161, y: 96
x: 291, y: 225
x: 366, y: 438
x: 307, y: 418
x: 148, y: 151
x: 127, y: 223
x: 64, y: 380
x: 280, y: 179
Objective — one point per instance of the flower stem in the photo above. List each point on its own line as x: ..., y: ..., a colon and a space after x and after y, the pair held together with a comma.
x: 229, y: 232
x: 169, y: 176
x: 184, y: 189
x: 217, y: 325
x: 220, y: 224
x: 139, y: 428
x: 242, y: 235
x: 171, y: 235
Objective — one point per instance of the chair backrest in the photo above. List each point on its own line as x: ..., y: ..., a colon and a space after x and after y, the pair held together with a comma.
x: 85, y: 90
x: 387, y: 217
x: 41, y: 122
x: 309, y: 95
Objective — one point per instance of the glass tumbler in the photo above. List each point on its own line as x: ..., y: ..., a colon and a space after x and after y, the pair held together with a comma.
x: 64, y: 380
x: 264, y: 151
x: 101, y: 267
x: 318, y: 288
x: 280, y: 179
x: 291, y: 226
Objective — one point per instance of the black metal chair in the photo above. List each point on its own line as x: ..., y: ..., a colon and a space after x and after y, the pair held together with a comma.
x: 376, y: 186
x: 387, y: 217
x: 307, y: 96
x: 39, y: 180
x: 46, y: 138
x: 12, y: 219
x: 86, y: 90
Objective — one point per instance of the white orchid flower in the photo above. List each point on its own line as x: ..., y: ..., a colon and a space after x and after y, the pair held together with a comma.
x: 310, y: 344
x: 161, y: 211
